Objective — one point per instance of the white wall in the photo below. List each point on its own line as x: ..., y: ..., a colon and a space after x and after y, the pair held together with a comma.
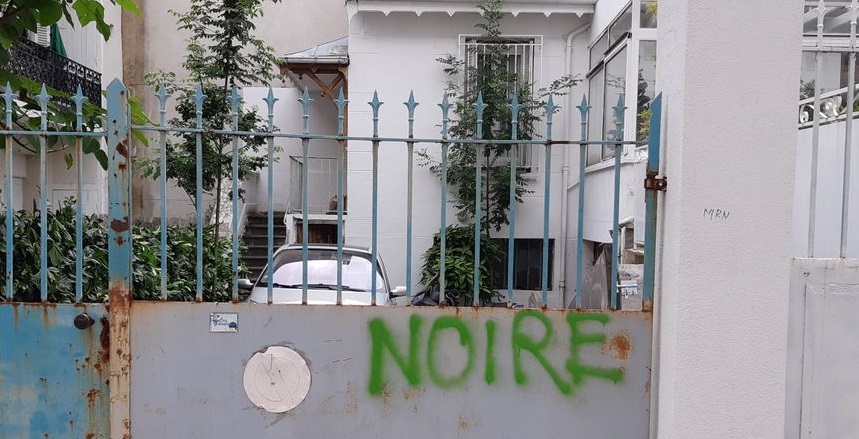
x: 381, y: 59
x: 721, y: 298
x: 827, y: 239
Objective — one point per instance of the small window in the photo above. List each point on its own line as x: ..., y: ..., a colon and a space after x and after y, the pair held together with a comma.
x: 646, y: 86
x: 598, y: 50
x: 527, y: 265
x: 648, y: 14
x: 621, y: 26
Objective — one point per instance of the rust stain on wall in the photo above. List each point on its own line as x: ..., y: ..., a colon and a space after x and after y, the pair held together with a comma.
x: 462, y: 424
x: 618, y: 345
x: 413, y: 393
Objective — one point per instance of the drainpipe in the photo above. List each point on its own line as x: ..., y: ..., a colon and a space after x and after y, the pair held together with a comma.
x: 565, y: 167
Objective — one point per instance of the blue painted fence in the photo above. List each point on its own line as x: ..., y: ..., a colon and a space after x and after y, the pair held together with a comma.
x: 119, y: 127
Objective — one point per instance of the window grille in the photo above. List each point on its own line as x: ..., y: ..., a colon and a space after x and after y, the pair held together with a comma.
x: 524, y: 59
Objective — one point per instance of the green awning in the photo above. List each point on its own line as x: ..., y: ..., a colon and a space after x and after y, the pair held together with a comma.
x: 57, y: 41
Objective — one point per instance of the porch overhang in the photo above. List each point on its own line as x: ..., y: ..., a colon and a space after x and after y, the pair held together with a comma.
x: 450, y: 7
x: 323, y: 67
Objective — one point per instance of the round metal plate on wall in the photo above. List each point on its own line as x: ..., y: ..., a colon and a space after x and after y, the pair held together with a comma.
x: 277, y: 379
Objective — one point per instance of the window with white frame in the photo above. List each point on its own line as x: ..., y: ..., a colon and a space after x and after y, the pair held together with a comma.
x: 626, y: 47
x: 524, y: 61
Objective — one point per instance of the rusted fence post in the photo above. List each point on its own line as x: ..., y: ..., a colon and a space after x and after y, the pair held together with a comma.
x: 119, y: 257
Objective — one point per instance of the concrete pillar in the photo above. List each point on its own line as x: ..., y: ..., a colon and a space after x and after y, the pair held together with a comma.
x: 729, y: 72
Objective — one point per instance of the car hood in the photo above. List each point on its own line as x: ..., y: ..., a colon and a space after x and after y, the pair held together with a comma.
x: 316, y: 296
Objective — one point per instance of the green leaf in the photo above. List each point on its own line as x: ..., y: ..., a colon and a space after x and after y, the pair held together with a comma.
x: 69, y: 160
x: 50, y: 14
x: 89, y: 11
x: 101, y: 156
x: 129, y: 5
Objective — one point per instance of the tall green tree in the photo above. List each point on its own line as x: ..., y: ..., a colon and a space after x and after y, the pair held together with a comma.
x: 489, y: 76
x: 222, y: 52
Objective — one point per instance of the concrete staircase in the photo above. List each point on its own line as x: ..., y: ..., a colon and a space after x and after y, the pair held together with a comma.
x: 255, y: 239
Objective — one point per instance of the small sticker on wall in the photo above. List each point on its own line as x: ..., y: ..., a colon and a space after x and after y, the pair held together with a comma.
x: 227, y: 322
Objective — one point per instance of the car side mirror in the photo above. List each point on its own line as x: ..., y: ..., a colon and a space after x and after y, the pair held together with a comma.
x: 398, y: 291
x: 245, y: 285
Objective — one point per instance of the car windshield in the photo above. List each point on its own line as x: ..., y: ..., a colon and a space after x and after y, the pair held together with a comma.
x: 322, y: 270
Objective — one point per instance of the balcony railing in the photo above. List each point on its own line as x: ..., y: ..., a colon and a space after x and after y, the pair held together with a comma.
x: 43, y: 65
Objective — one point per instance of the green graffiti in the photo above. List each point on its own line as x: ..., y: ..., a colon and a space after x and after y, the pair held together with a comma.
x: 535, y: 342
x: 579, y: 371
x: 384, y: 340
x: 522, y: 342
x: 465, y: 339
x: 489, y: 371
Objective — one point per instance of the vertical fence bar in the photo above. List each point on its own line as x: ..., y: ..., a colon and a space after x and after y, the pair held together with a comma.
x: 79, y: 246
x: 848, y: 140
x: 375, y: 104
x: 43, y: 99
x: 305, y: 227
x: 514, y: 158
x: 445, y: 108
x: 584, y: 109
x: 235, y: 99
x: 162, y: 96
x: 478, y: 174
x: 10, y: 211
x: 619, y: 111
x: 119, y: 256
x: 341, y: 131
x: 547, y: 190
x: 198, y: 98
x: 815, y: 134
x: 650, y: 199
x: 410, y: 105
x: 270, y: 100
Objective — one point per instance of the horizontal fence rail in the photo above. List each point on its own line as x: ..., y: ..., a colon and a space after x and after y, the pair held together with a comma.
x: 120, y: 221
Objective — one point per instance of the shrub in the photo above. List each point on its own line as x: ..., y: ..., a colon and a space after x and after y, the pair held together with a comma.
x: 459, y: 266
x: 146, y: 263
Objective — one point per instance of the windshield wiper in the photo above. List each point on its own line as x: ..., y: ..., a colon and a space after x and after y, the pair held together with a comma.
x: 317, y: 286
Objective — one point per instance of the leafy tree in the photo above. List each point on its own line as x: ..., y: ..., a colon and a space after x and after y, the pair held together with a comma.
x: 491, y: 79
x: 221, y: 53
x: 17, y: 17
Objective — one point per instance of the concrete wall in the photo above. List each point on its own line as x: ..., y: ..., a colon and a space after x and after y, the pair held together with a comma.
x: 722, y: 306
x: 823, y: 388
x: 381, y: 59
x: 186, y: 380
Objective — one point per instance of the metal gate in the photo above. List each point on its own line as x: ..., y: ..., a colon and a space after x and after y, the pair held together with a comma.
x: 204, y: 369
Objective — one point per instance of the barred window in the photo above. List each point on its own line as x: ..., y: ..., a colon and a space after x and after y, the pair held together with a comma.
x: 524, y: 60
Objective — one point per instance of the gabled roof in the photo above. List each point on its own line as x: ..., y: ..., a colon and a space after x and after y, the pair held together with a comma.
x: 450, y: 7
x: 332, y: 52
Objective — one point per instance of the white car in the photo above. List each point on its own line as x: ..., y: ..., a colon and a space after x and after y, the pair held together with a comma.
x: 322, y: 277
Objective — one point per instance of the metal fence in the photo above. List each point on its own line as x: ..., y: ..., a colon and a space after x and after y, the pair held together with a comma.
x: 120, y: 216
x: 830, y: 31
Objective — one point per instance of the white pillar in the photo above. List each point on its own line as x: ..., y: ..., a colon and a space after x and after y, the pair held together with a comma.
x: 730, y: 75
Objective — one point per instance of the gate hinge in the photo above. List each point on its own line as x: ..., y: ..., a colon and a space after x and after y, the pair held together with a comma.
x: 654, y: 183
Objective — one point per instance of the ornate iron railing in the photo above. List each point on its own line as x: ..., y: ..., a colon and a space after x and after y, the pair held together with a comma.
x: 43, y: 65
